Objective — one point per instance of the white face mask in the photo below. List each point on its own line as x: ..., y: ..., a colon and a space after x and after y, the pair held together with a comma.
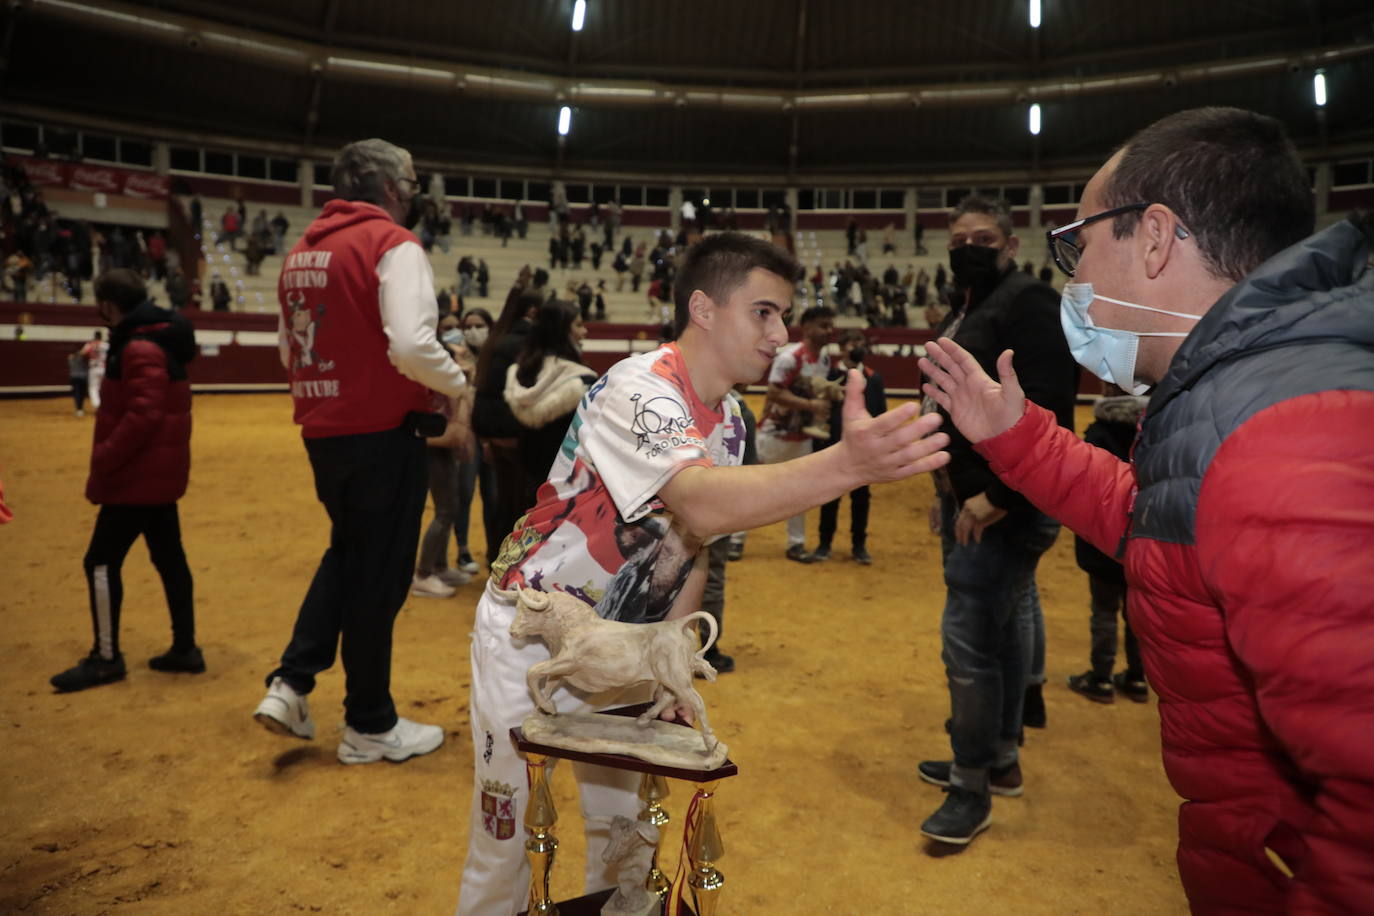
x: 1107, y: 353
x: 476, y: 337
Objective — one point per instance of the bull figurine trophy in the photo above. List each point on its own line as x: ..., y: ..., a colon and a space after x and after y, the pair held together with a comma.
x: 596, y: 655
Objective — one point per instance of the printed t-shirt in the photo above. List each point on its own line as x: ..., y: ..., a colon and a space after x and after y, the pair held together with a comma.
x: 598, y: 529
x: 791, y: 363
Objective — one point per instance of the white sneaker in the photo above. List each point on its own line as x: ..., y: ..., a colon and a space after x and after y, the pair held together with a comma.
x: 454, y: 577
x: 431, y: 587
x: 405, y: 740
x: 467, y: 564
x: 285, y: 711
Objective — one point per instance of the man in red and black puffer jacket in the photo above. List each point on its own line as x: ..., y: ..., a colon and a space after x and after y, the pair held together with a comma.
x: 140, y: 462
x: 1245, y: 517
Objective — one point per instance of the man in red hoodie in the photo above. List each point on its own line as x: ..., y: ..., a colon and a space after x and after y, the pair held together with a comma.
x: 140, y: 463
x: 357, y: 338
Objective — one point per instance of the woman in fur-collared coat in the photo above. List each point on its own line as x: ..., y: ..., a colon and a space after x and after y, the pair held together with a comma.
x: 544, y: 387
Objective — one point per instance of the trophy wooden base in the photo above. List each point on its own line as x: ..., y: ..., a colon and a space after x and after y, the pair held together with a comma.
x: 705, y: 849
x: 591, y: 905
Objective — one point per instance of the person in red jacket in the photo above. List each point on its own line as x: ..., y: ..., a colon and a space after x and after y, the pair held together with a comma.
x: 1245, y: 517
x: 140, y: 463
x: 357, y: 338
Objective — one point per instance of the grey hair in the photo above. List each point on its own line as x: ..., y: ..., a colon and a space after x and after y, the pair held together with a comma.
x: 362, y: 169
x: 996, y: 208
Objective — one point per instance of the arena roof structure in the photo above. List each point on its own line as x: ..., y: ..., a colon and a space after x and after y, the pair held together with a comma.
x: 783, y: 88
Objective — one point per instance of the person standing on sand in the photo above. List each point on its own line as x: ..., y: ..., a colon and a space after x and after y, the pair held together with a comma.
x: 140, y: 464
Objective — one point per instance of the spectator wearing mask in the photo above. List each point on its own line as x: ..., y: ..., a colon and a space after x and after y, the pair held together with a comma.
x: 445, y: 456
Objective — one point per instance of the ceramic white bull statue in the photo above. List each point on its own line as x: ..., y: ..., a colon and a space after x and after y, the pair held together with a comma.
x: 596, y: 655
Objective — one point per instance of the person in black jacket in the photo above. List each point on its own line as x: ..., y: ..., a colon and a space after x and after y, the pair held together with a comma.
x: 991, y: 537
x: 853, y: 350
x: 492, y: 419
x: 1113, y: 428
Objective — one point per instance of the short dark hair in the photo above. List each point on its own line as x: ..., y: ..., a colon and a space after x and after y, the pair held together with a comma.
x: 997, y: 208
x: 719, y: 263
x: 851, y: 334
x: 816, y: 313
x: 123, y: 287
x: 1232, y: 176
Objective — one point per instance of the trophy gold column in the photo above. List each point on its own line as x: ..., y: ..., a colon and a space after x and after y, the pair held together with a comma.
x: 540, y: 848
x: 706, y: 849
x: 652, y: 790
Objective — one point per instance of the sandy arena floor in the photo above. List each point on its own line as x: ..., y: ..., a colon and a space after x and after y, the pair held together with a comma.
x: 160, y: 794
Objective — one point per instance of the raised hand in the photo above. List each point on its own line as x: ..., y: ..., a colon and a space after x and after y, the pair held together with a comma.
x: 979, y: 407
x: 893, y: 446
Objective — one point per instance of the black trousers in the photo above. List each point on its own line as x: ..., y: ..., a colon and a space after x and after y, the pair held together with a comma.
x: 858, y: 518
x: 1109, y: 599
x: 713, y: 596
x: 79, y: 389
x: 373, y: 487
x: 512, y: 496
x: 116, y: 529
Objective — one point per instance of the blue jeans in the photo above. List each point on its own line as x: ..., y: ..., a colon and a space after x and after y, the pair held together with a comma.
x: 475, y: 476
x: 1033, y: 633
x: 985, y: 653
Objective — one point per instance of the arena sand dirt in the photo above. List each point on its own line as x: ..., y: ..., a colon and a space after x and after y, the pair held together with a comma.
x: 160, y: 794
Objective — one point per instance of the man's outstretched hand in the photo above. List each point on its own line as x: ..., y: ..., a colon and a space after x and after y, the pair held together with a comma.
x: 979, y: 407
x: 893, y: 446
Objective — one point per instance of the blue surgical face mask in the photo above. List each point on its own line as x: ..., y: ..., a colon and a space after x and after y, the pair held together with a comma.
x: 1107, y: 353
x: 453, y: 337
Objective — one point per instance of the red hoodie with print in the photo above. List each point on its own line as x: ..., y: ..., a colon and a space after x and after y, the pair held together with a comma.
x: 342, y: 380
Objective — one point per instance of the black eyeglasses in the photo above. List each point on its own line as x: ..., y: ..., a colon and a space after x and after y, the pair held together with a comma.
x: 1064, y: 240
x: 412, y: 181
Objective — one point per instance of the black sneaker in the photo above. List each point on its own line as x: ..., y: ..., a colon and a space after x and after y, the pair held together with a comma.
x: 798, y: 552
x: 1033, y: 708
x: 723, y: 663
x: 820, y: 554
x: 1006, y: 781
x: 1087, y: 684
x: 186, y: 661
x: 962, y: 817
x: 91, y: 671
x: 863, y: 556
x: 1132, y: 685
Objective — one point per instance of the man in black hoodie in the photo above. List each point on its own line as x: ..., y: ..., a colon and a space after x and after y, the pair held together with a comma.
x: 991, y: 537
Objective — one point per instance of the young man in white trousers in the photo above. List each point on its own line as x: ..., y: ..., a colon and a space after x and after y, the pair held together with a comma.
x: 648, y: 474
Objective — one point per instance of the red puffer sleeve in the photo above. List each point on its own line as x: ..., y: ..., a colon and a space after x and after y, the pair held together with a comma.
x: 146, y: 382
x: 1086, y: 488
x: 1285, y: 538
